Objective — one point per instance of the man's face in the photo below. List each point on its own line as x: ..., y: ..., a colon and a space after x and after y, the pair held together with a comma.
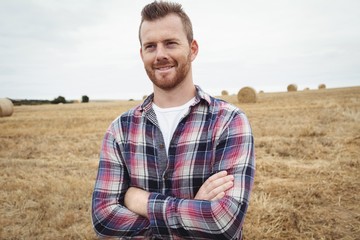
x: 166, y: 52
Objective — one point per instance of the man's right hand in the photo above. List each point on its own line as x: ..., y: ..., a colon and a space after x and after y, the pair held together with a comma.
x: 214, y: 187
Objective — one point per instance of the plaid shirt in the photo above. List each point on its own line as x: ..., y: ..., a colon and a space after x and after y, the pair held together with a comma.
x: 213, y: 136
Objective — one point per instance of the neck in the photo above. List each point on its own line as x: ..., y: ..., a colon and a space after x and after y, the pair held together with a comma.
x: 178, y: 96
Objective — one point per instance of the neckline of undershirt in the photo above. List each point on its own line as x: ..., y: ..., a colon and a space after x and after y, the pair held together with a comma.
x: 174, y: 109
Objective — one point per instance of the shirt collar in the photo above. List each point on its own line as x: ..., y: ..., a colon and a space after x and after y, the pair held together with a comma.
x: 200, y: 96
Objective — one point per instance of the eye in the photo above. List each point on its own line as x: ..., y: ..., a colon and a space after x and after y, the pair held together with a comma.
x: 171, y: 44
x: 149, y: 47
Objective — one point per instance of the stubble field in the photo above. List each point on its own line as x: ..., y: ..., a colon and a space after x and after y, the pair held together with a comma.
x: 307, y: 180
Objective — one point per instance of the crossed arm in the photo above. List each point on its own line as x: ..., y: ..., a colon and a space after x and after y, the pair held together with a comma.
x: 217, y: 210
x: 214, y: 188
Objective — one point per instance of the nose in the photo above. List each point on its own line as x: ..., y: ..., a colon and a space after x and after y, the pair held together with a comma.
x: 161, y: 53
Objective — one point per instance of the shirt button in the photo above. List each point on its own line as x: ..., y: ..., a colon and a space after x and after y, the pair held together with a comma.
x: 161, y: 146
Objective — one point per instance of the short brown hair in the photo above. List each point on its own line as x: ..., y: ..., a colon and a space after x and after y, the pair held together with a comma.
x: 157, y: 10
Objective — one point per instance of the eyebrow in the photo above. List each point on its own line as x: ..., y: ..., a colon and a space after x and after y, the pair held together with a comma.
x: 166, y: 40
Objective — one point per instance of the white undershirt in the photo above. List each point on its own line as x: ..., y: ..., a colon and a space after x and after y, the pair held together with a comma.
x: 169, y: 118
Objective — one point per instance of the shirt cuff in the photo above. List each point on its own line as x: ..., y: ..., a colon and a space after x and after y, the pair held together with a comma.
x: 158, y: 206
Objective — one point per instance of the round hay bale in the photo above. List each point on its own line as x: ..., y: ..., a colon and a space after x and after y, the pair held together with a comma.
x: 224, y: 93
x: 322, y: 86
x: 6, y: 107
x: 292, y: 88
x: 247, y: 95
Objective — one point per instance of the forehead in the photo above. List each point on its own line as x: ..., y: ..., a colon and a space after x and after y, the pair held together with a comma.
x: 169, y: 26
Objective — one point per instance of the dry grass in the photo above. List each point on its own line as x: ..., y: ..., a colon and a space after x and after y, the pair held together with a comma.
x: 307, y: 180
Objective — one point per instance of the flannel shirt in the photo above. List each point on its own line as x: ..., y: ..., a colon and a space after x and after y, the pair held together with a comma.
x: 213, y: 136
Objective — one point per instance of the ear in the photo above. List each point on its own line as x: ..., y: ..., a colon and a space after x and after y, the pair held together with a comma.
x: 194, y: 48
x: 141, y: 54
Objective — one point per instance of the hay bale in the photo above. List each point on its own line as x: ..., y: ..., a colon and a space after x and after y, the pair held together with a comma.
x: 322, y: 86
x: 292, y: 88
x: 247, y: 95
x: 6, y: 107
x: 224, y: 93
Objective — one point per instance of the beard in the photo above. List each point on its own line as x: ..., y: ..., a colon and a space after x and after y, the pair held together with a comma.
x: 169, y: 82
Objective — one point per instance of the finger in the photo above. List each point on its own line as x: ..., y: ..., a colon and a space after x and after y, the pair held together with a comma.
x: 213, y: 186
x: 217, y: 175
x: 221, y: 188
x: 211, y: 190
x: 219, y: 196
x: 218, y: 182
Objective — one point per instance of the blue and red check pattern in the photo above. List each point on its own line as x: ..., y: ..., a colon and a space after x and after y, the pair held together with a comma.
x: 213, y: 136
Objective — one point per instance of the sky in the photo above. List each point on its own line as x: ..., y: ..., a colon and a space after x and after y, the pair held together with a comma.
x: 51, y: 48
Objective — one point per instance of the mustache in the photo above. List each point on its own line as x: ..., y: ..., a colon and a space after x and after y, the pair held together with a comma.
x: 162, y: 62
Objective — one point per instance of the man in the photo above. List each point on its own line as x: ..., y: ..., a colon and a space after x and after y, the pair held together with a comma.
x: 181, y: 165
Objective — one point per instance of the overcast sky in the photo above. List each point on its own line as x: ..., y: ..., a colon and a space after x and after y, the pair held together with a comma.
x: 72, y: 48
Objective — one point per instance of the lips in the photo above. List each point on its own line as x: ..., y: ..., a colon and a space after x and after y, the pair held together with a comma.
x: 163, y: 68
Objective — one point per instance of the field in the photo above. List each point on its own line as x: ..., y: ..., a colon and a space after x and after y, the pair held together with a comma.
x: 307, y: 180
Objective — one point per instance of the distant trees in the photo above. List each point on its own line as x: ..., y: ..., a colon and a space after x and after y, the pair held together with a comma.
x: 59, y: 99
x: 85, y: 99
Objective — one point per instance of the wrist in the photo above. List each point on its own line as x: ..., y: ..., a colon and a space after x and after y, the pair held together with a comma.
x: 136, y: 200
